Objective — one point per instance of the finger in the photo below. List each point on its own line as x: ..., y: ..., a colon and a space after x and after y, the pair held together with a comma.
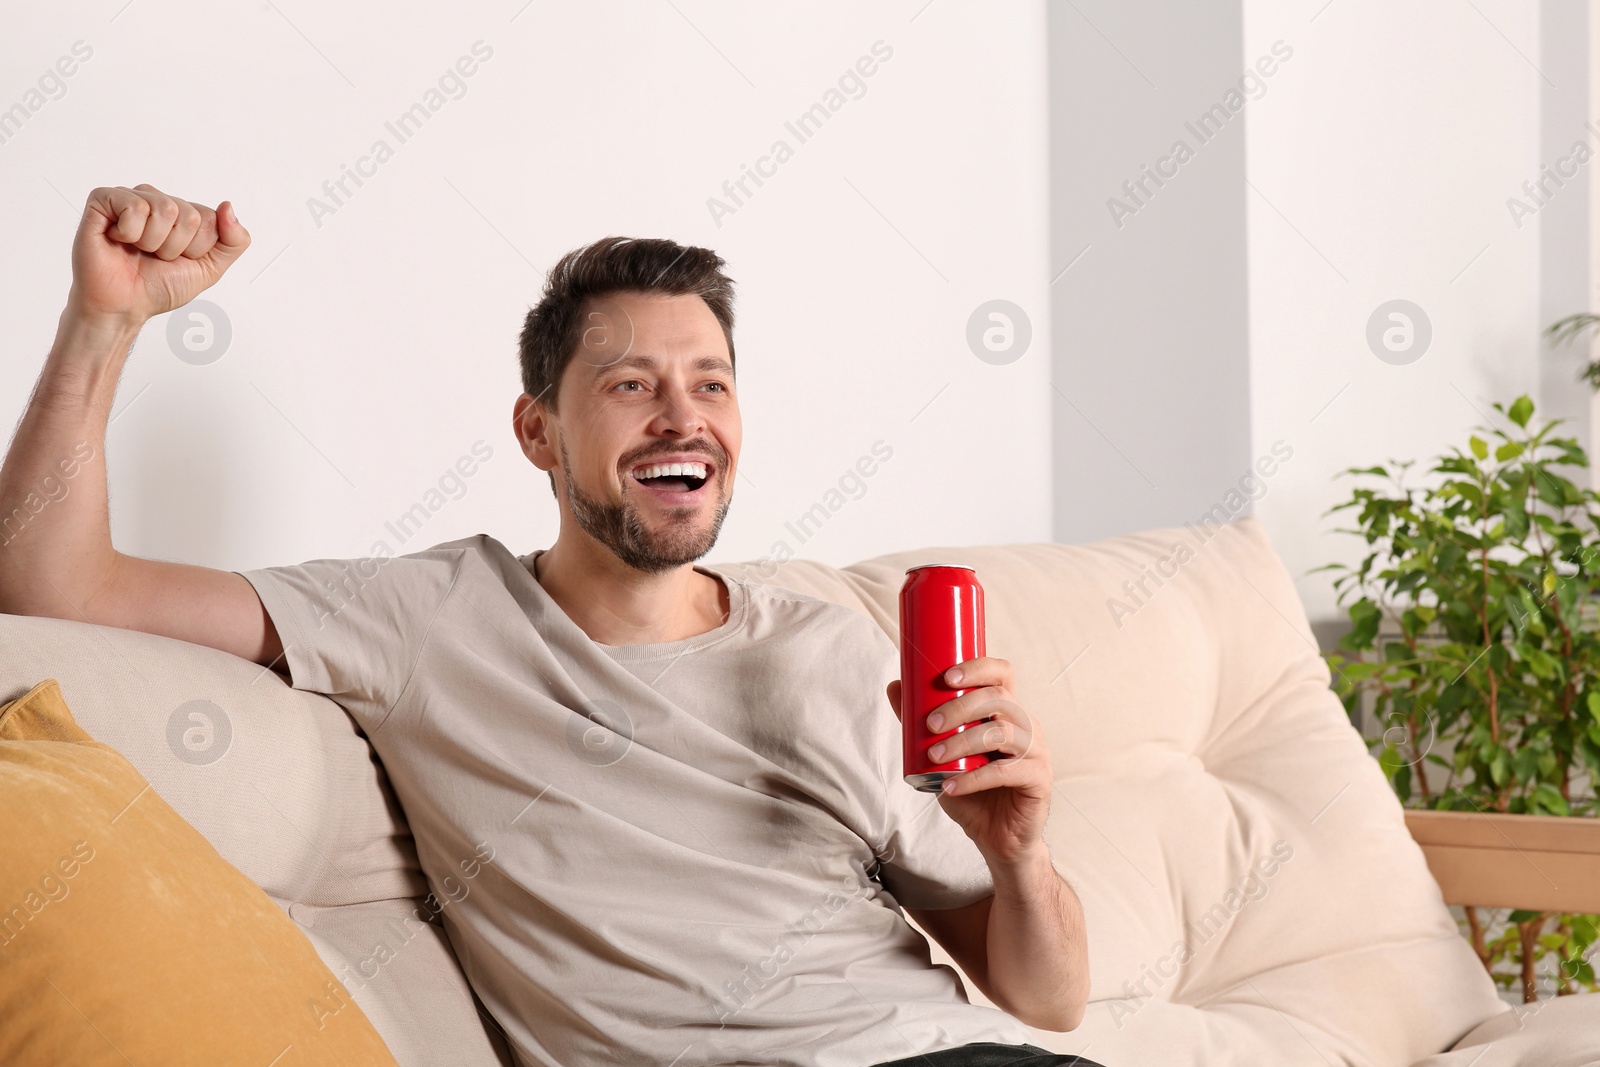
x: 205, y: 238
x: 973, y: 741
x: 894, y: 698
x: 983, y: 670
x: 116, y: 212
x: 182, y: 233
x: 1000, y: 735
x: 1029, y: 776
x: 232, y: 238
x: 970, y: 706
x: 163, y: 214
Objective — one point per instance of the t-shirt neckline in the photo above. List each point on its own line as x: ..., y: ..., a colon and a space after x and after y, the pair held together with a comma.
x: 738, y: 602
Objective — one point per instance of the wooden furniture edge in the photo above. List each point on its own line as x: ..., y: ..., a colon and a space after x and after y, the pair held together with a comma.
x: 1537, y: 862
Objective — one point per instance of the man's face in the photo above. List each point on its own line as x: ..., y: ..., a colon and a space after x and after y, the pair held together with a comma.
x: 651, y: 384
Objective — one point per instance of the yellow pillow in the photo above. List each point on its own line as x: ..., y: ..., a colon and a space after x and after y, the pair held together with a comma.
x: 124, y: 936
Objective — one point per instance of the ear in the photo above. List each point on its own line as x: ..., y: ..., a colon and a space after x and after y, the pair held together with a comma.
x: 532, y: 425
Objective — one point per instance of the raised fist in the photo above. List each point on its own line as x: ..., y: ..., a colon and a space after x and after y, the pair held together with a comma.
x: 139, y: 252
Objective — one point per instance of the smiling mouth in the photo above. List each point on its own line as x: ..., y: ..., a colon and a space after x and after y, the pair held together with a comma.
x: 674, y: 483
x: 669, y: 483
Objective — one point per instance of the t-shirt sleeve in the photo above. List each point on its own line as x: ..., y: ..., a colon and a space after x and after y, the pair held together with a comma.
x: 352, y: 629
x: 926, y: 860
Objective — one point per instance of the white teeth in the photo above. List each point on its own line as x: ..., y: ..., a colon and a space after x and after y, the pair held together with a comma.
x: 666, y: 470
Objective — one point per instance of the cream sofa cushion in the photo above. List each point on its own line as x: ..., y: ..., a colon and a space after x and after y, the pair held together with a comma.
x: 1554, y: 1032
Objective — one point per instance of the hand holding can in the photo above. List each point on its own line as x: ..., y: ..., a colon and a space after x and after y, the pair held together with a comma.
x: 941, y: 624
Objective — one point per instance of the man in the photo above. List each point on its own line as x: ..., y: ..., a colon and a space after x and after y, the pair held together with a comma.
x: 674, y: 796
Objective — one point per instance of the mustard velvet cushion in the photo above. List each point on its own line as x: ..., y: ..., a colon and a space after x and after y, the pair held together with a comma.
x: 125, y: 937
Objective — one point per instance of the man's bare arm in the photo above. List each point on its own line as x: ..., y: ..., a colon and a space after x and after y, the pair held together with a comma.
x: 137, y: 253
x: 1023, y: 946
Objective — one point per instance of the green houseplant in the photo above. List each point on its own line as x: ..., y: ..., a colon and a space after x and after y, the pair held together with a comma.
x: 1475, y: 636
x: 1569, y: 329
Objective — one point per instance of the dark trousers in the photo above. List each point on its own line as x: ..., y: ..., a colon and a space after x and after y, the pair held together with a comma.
x: 988, y: 1054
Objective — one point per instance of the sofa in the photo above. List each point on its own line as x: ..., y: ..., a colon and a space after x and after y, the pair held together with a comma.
x: 1251, y: 891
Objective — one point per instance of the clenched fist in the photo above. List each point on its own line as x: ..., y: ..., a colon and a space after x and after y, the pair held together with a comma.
x: 139, y: 253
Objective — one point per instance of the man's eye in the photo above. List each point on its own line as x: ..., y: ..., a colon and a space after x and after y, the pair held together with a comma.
x: 630, y: 381
x: 719, y: 385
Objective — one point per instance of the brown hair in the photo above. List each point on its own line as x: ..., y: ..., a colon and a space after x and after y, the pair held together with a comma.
x: 552, y: 330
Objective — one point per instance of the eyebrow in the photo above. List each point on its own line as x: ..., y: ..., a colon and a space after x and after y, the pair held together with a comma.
x: 649, y: 363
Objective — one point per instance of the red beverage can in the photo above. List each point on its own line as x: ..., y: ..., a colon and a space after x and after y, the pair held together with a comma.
x: 941, y: 624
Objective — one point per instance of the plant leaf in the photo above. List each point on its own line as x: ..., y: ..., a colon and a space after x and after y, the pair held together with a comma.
x: 1521, y: 410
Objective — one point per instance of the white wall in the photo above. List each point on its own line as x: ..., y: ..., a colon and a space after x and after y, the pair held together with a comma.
x: 370, y: 352
x: 1563, y: 221
x: 1387, y: 150
x: 1150, y: 327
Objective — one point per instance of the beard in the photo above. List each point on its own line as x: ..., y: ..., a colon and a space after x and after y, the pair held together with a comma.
x: 620, y: 528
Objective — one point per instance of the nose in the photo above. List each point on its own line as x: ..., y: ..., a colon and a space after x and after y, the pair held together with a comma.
x: 677, y: 414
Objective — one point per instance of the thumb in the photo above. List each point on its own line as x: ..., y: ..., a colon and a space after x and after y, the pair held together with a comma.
x: 893, y: 690
x: 232, y: 238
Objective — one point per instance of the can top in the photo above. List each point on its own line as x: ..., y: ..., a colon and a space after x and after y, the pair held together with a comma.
x: 952, y: 566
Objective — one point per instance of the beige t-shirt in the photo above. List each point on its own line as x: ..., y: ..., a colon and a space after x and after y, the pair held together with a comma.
x: 684, y: 853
